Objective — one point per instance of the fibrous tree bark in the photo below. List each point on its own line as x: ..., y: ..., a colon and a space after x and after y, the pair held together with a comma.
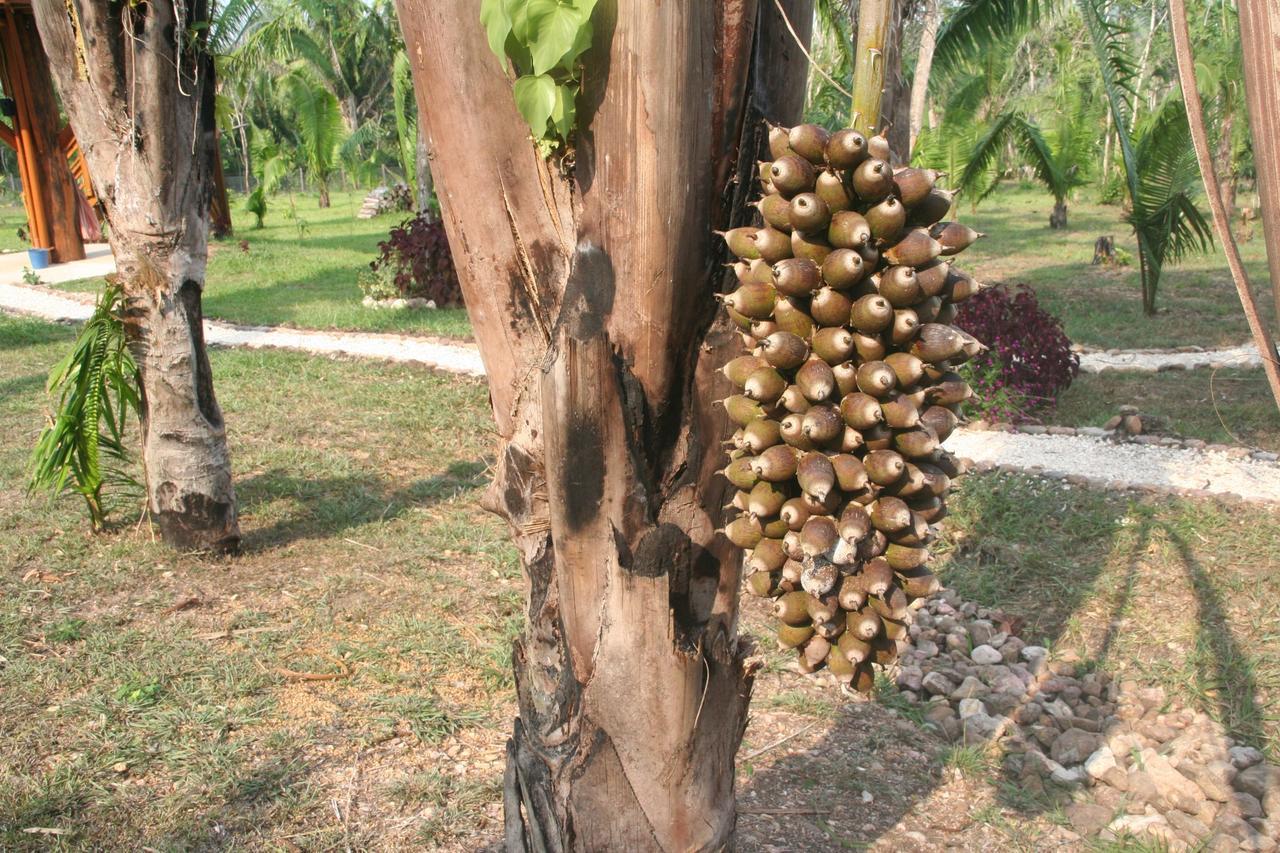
x: 1260, y: 42
x: 591, y: 287
x: 131, y: 75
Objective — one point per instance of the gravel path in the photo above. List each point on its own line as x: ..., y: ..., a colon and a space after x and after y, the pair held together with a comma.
x: 1122, y: 464
x: 1245, y: 355
x: 451, y: 357
x: 1103, y: 462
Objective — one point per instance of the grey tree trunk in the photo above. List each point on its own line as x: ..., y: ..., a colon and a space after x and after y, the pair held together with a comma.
x: 924, y: 66
x: 422, y: 171
x: 131, y: 84
x: 591, y: 293
x: 1058, y: 219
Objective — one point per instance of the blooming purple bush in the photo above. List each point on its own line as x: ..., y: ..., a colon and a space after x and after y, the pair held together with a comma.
x: 1029, y: 361
x: 416, y: 257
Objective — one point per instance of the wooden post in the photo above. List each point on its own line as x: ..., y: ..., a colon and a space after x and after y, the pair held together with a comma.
x: 46, y: 178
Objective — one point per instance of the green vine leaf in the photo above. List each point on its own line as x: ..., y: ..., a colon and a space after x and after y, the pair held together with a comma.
x: 553, y: 29
x: 564, y: 113
x: 536, y: 100
x: 497, y: 24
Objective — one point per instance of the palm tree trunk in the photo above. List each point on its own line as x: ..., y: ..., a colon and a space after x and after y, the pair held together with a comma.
x: 1058, y: 219
x: 924, y: 65
x: 1259, y: 21
x: 322, y: 187
x: 1223, y: 164
x: 601, y: 337
x: 422, y: 169
x: 157, y: 201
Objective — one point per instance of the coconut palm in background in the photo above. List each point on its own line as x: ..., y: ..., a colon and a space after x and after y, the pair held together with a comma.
x: 1159, y: 180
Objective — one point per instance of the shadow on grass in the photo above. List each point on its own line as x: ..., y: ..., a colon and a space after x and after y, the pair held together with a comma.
x: 1047, y: 556
x: 327, y: 507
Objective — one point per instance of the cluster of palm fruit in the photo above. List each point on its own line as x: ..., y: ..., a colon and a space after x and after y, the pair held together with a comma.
x: 845, y: 302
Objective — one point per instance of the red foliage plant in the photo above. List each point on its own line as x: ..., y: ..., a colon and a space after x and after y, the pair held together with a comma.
x: 1029, y: 361
x: 416, y: 253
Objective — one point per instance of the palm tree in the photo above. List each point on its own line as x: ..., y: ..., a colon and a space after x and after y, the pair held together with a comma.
x: 1165, y: 221
x: 1059, y: 156
x: 319, y: 125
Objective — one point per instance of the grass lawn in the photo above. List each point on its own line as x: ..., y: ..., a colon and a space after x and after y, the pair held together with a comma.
x: 12, y: 217
x: 1103, y: 308
x: 302, y: 271
x: 1224, y: 406
x: 308, y: 279
x: 344, y: 683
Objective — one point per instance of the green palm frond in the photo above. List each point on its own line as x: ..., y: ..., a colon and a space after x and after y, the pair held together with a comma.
x: 319, y: 123
x: 970, y: 30
x: 231, y: 24
x: 1164, y: 212
x: 97, y: 387
x: 406, y: 116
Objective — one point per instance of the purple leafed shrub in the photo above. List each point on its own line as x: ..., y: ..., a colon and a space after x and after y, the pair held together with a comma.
x: 1029, y: 361
x: 416, y: 257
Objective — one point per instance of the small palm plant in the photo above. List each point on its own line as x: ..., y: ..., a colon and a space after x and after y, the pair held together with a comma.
x: 1057, y: 166
x: 81, y: 449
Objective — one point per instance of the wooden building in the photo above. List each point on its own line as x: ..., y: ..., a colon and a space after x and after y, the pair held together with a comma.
x: 46, y: 151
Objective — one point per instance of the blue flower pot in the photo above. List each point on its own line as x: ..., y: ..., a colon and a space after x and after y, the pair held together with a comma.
x: 39, y: 258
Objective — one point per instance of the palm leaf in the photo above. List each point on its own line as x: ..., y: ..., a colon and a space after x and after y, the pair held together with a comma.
x: 974, y: 26
x: 1164, y: 212
x: 97, y: 387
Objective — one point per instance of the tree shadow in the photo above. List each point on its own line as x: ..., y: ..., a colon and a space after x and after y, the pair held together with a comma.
x: 813, y: 798
x: 327, y: 507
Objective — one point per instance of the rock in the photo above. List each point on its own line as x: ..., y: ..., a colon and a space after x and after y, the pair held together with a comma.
x: 1213, y: 789
x: 1058, y: 708
x: 1087, y: 818
x: 1158, y: 732
x: 1154, y: 826
x: 970, y: 688
x: 1187, y: 824
x: 1246, y: 805
x: 985, y: 654
x: 1004, y: 704
x: 936, y: 682
x: 927, y: 649
x: 1099, y: 762
x: 1229, y: 824
x: 1011, y: 649
x: 981, y: 631
x: 1151, y: 697
x: 970, y: 706
x: 1244, y: 757
x: 1028, y: 713
x: 1068, y: 777
x: 1074, y: 746
x: 1258, y: 780
x: 957, y: 642
x: 1031, y: 653
x: 979, y: 727
x: 1173, y: 788
x: 910, y: 678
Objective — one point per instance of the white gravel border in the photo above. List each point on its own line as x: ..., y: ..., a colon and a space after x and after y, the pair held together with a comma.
x: 1245, y: 355
x: 1122, y: 464
x: 1088, y: 459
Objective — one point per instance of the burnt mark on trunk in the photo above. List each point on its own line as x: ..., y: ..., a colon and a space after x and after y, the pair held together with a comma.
x: 588, y: 293
x: 661, y: 549
x: 189, y: 298
x: 195, y: 521
x: 582, y: 473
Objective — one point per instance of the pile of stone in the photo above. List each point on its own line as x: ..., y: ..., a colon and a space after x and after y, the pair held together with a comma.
x: 1132, y: 762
